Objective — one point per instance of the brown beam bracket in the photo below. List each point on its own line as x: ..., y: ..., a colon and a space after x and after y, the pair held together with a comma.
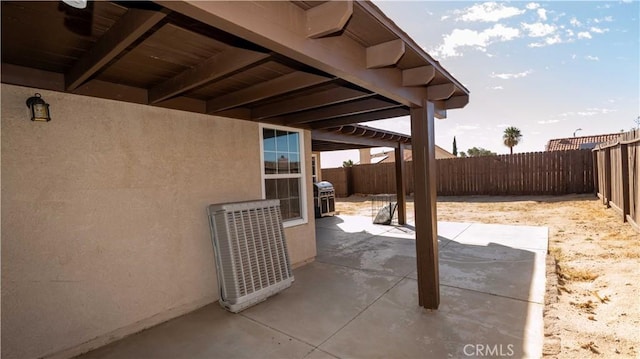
x: 131, y: 26
x: 441, y: 92
x: 328, y: 18
x: 418, y: 76
x: 385, y: 54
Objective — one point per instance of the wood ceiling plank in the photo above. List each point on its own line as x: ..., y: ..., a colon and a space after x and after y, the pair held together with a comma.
x: 123, y: 33
x: 328, y: 18
x: 216, y: 67
x: 279, y: 86
x: 343, y: 109
x: 363, y: 117
x: 307, y: 102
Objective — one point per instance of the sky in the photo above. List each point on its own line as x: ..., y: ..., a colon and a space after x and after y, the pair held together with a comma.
x: 551, y: 69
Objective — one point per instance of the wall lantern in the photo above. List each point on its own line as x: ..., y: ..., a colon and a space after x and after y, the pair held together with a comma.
x: 39, y: 108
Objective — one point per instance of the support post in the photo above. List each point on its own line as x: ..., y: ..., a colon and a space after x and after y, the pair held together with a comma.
x: 424, y: 167
x: 400, y: 185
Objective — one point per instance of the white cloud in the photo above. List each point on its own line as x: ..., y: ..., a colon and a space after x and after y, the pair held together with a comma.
x: 508, y: 76
x: 598, y: 30
x: 584, y: 35
x: 552, y: 40
x: 496, y: 88
x: 488, y: 12
x: 532, y: 6
x: 604, y: 19
x: 592, y: 58
x: 542, y: 13
x: 444, y: 17
x: 548, y: 122
x: 502, y: 125
x: 539, y: 29
x: 574, y: 22
x: 570, y: 32
x: 474, y: 39
x: 589, y: 112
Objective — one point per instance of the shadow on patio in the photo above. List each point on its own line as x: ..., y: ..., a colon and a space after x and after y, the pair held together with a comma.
x: 359, y: 299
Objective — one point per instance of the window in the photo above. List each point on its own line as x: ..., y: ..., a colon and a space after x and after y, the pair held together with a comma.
x: 283, y: 171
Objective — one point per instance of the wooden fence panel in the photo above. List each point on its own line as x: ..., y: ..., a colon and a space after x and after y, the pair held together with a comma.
x: 633, y: 152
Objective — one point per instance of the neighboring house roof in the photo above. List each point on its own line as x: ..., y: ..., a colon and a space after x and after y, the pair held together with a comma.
x: 389, y: 157
x: 579, y: 143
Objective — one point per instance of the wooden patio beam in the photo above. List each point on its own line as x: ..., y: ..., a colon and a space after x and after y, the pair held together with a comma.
x: 328, y: 18
x: 216, y: 67
x: 342, y: 109
x: 281, y: 27
x: 279, y: 86
x: 418, y: 76
x: 307, y: 102
x: 131, y: 26
x: 363, y: 117
x: 400, y: 185
x: 385, y: 54
x: 424, y: 167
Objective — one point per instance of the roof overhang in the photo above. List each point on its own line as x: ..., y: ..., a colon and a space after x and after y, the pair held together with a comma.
x: 303, y: 64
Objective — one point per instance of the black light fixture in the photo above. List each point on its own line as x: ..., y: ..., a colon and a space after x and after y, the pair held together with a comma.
x: 39, y: 108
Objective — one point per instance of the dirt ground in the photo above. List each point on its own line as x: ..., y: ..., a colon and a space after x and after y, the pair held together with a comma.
x: 593, y: 308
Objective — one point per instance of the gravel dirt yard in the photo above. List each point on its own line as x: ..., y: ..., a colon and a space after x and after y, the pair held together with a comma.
x: 593, y: 304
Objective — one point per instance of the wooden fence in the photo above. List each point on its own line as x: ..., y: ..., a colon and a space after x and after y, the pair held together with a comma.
x: 539, y: 173
x: 618, y: 176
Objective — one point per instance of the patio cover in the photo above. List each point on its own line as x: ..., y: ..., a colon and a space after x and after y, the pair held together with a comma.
x: 308, y: 65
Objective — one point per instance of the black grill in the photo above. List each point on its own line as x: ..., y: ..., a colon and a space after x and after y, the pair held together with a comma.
x: 324, y: 199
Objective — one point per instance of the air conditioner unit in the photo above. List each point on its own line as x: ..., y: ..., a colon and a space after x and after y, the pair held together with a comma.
x: 252, y: 260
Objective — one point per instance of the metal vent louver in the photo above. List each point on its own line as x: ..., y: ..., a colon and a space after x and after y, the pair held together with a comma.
x: 252, y: 260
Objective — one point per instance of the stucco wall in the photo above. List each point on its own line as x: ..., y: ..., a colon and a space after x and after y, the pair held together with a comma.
x: 104, y: 226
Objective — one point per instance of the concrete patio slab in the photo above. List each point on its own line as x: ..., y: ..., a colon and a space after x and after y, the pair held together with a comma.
x: 395, y: 327
x: 210, y: 332
x: 386, y: 255
x: 359, y: 300
x: 525, y: 237
x: 494, y: 269
x: 322, y: 300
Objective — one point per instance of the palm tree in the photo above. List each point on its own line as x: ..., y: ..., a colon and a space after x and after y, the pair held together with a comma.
x: 511, y: 137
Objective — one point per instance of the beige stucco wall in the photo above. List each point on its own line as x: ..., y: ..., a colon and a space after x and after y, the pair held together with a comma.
x: 104, y: 226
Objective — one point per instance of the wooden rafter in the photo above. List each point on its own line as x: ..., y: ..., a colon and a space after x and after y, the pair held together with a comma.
x: 123, y: 33
x: 281, y: 85
x: 343, y: 109
x: 214, y: 68
x: 328, y: 18
x: 363, y: 117
x: 307, y: 102
x: 385, y: 54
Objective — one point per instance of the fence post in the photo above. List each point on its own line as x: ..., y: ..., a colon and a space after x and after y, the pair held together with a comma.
x: 624, y: 154
x: 348, y: 174
x: 596, y: 183
x: 606, y: 196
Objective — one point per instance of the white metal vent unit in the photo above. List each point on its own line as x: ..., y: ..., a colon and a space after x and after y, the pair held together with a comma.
x: 252, y: 260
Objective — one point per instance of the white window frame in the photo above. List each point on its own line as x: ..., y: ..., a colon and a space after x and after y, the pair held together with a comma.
x: 302, y: 175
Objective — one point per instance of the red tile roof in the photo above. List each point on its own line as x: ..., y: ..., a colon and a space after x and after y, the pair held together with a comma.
x: 576, y: 143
